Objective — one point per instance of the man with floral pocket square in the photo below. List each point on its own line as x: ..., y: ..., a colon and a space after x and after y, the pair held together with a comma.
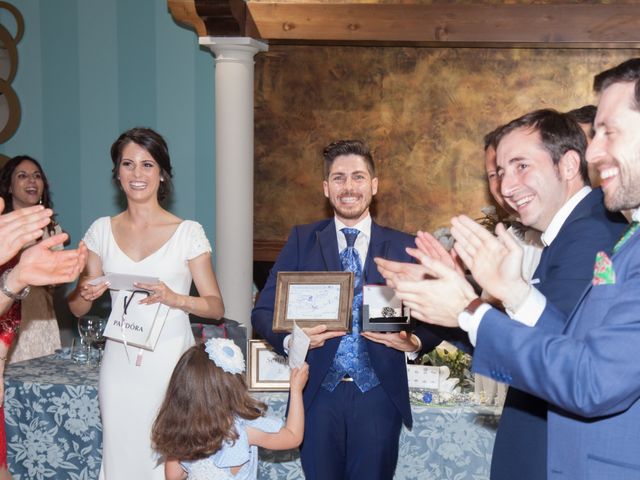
x: 584, y: 366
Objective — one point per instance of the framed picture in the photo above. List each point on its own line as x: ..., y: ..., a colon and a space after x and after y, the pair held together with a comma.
x: 313, y: 298
x: 267, y: 370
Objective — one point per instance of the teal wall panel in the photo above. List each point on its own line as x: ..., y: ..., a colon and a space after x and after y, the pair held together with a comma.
x: 61, y: 108
x: 89, y: 69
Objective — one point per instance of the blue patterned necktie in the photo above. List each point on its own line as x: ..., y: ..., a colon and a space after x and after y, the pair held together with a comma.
x: 352, y: 357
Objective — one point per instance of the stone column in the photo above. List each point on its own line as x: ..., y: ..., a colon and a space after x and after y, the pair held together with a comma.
x: 234, y: 171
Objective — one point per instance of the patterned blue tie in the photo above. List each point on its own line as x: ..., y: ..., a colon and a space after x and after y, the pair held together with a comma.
x: 352, y: 357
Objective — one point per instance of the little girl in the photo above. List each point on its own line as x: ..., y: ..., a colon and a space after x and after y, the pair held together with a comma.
x: 209, y: 427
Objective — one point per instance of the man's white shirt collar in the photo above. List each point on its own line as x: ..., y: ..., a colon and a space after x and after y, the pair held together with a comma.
x: 362, y: 241
x: 636, y: 215
x: 561, y: 216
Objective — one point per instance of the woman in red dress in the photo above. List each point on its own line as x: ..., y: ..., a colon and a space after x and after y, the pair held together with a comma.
x: 9, y: 323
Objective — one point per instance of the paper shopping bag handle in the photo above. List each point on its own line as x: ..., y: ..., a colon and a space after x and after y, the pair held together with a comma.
x: 127, y: 299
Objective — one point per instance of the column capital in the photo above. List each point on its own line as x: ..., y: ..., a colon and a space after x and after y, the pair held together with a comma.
x: 228, y: 48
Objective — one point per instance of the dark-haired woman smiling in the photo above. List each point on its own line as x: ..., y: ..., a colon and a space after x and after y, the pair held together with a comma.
x: 23, y: 183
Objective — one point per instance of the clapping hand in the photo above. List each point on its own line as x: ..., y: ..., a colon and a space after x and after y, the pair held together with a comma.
x: 393, y: 271
x: 494, y: 262
x: 428, y: 245
x: 437, y: 299
x: 21, y: 227
x: 39, y: 265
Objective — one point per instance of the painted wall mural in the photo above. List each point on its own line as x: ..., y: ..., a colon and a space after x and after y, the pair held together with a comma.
x: 423, y: 111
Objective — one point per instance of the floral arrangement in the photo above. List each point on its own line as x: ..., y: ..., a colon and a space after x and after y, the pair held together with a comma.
x: 458, y: 362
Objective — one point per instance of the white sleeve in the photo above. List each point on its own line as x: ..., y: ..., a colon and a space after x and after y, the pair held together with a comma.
x: 95, y: 234
x: 529, y: 312
x: 198, y: 241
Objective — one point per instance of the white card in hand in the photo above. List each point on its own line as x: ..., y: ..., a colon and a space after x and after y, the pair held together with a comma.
x: 123, y: 281
x: 298, y: 347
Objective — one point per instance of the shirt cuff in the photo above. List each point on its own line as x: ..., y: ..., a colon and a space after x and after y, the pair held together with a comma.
x: 285, y: 344
x: 471, y: 322
x: 530, y: 311
x: 415, y: 354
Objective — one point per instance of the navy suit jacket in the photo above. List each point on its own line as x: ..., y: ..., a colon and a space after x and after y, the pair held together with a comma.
x: 565, y: 269
x: 587, y: 373
x: 314, y: 247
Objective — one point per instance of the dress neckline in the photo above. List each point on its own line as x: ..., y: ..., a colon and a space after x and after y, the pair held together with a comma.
x: 113, y: 237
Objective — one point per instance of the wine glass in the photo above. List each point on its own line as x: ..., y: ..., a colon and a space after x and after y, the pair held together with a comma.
x: 99, y: 340
x: 87, y: 327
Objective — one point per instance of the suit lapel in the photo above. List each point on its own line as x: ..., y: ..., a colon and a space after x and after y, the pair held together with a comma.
x: 328, y: 242
x: 582, y: 208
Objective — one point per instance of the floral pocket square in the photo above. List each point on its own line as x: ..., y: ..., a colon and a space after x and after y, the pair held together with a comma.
x: 603, y: 273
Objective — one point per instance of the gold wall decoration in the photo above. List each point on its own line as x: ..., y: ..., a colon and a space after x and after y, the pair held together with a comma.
x: 423, y: 111
x: 9, y: 103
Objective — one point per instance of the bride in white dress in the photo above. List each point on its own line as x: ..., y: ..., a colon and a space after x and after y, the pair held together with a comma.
x: 146, y: 240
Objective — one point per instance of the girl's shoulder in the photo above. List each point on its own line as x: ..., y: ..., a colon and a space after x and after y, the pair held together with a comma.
x: 266, y: 424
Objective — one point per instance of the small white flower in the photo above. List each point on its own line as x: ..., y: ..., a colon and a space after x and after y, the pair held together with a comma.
x: 225, y: 354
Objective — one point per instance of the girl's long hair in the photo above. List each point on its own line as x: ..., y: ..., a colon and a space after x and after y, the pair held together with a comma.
x: 199, y: 408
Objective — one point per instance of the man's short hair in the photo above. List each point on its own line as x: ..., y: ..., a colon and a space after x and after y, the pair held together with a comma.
x: 626, y: 72
x: 559, y: 133
x: 585, y: 114
x: 347, y: 147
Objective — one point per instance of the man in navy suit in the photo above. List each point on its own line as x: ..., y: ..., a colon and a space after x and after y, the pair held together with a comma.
x: 357, y: 397
x: 541, y: 176
x: 544, y: 178
x: 584, y: 366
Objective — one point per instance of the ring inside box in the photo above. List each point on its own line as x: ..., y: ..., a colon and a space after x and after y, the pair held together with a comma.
x: 386, y: 324
x: 382, y: 311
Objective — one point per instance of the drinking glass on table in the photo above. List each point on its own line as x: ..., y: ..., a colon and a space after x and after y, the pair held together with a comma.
x: 99, y: 342
x: 87, y: 328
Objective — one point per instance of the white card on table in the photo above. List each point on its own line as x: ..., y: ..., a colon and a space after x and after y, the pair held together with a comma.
x: 423, y: 377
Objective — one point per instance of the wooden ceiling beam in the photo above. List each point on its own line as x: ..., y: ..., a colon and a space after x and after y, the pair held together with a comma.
x: 569, y: 24
x: 548, y: 25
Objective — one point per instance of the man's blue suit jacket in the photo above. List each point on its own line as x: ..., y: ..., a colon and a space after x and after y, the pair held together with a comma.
x: 565, y: 269
x: 588, y: 373
x: 314, y: 247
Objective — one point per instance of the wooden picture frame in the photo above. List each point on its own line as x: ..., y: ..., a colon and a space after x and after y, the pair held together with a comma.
x: 313, y: 298
x: 266, y: 371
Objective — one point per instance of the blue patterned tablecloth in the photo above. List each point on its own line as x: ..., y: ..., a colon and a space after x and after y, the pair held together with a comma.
x: 451, y: 443
x: 54, y: 430
x: 52, y: 420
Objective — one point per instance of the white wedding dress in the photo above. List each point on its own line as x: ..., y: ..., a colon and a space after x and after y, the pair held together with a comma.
x: 130, y: 395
